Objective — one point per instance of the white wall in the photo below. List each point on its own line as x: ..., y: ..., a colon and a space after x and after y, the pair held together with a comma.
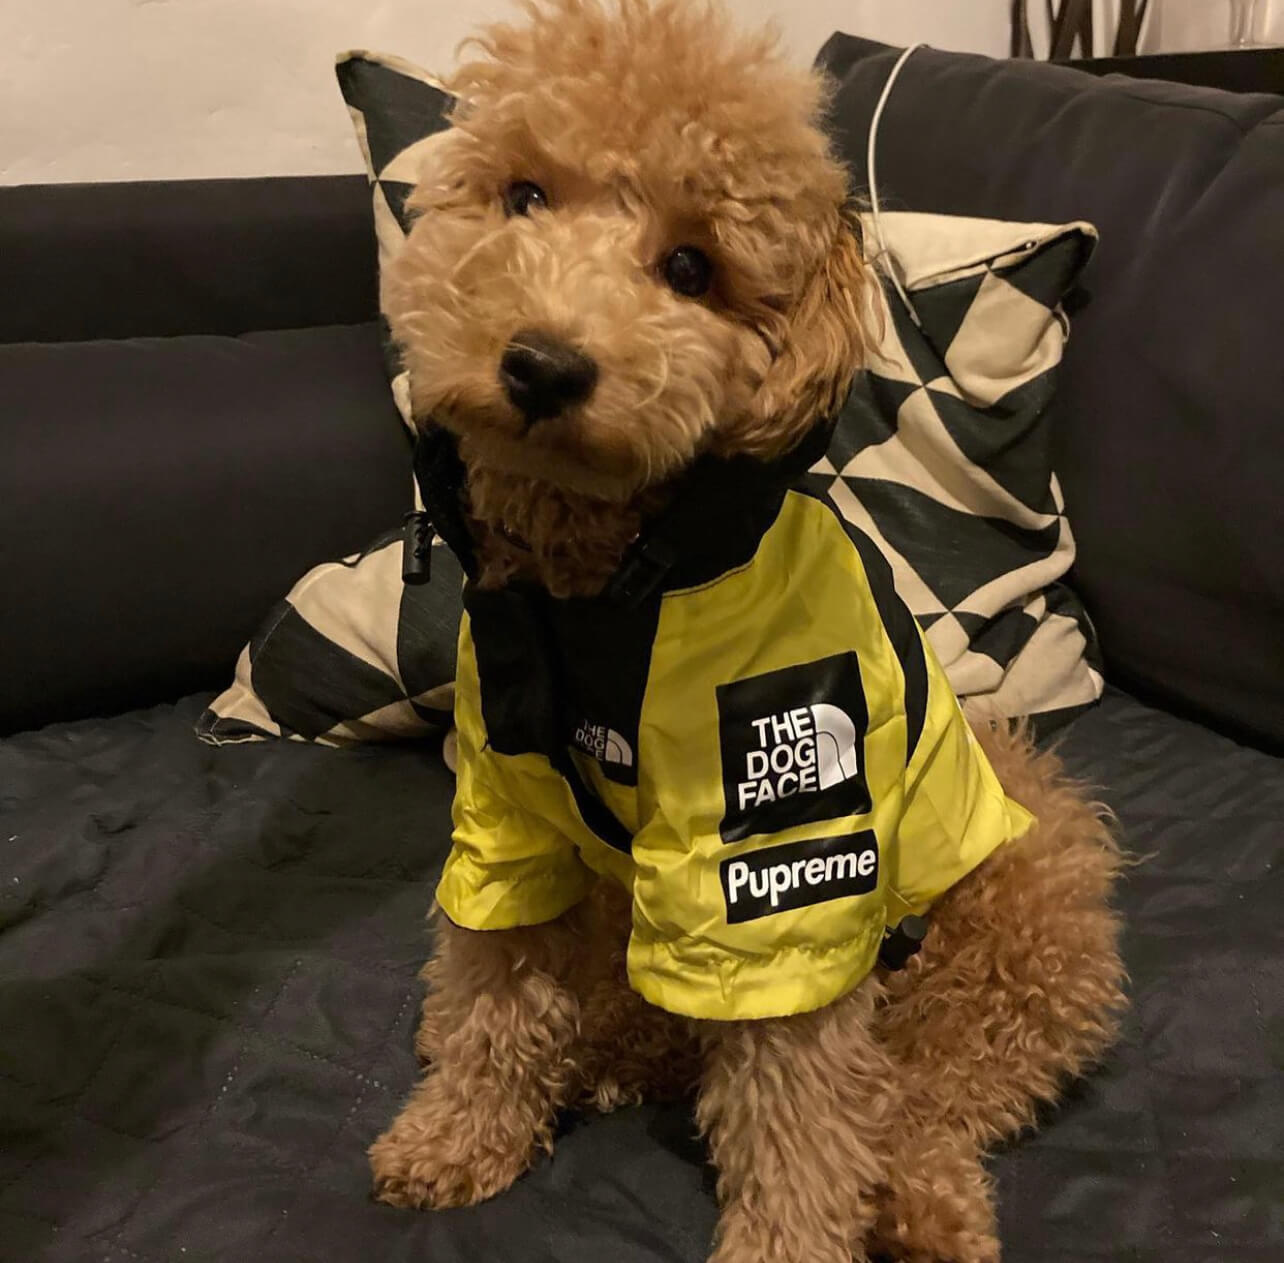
x: 156, y: 89
x: 1181, y: 25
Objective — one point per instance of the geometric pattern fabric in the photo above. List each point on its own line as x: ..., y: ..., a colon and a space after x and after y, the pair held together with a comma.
x: 942, y: 455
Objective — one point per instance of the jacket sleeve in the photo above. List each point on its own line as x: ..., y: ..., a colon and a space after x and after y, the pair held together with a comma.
x: 508, y: 865
x: 956, y: 812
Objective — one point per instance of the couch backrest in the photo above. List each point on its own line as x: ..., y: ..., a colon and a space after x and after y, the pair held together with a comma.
x: 191, y: 256
x: 1171, y: 408
x: 193, y: 411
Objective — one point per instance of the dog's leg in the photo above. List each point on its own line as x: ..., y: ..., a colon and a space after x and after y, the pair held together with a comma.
x: 501, y: 1030
x: 1015, y: 992
x: 634, y: 1052
x: 448, y: 989
x: 938, y: 1203
x: 630, y: 1051
x: 797, y: 1111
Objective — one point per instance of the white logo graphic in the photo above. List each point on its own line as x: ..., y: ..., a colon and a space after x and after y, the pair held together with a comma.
x: 791, y: 877
x: 604, y: 744
x: 800, y: 751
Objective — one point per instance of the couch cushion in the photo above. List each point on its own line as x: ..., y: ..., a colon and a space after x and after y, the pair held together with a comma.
x: 158, y: 495
x: 1169, y: 412
x: 208, y: 994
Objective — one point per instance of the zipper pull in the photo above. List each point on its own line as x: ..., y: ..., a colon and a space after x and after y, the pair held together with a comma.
x: 901, y: 942
x: 417, y: 536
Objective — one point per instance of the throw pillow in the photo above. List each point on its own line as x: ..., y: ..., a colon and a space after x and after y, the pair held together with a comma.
x: 397, y: 111
x: 352, y: 654
x: 942, y: 455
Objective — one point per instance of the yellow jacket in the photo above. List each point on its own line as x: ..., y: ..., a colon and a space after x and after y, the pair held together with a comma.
x: 748, y: 731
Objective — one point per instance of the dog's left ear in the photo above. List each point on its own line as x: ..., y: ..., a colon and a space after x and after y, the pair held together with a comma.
x: 821, y: 348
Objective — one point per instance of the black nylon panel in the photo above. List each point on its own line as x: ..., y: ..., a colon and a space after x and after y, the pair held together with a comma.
x: 549, y: 667
x: 899, y: 623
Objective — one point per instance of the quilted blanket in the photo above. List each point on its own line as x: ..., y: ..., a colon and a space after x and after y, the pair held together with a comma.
x: 208, y: 989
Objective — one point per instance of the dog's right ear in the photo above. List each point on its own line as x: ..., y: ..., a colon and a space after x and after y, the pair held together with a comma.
x: 824, y: 342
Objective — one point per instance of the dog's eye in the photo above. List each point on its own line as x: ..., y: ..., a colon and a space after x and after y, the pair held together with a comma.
x: 688, y: 271
x: 521, y: 197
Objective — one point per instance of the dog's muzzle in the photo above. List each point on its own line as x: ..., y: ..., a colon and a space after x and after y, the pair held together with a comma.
x: 543, y: 376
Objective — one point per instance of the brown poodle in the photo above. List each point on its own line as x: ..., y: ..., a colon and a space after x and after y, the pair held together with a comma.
x: 635, y: 254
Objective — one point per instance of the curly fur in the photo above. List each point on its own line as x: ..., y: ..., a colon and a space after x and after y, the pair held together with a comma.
x: 862, y: 1126
x: 649, y: 128
x: 799, y: 1112
x: 1015, y: 992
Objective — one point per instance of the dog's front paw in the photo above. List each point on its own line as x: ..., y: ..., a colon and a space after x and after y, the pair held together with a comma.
x: 748, y: 1237
x: 434, y: 1156
x: 938, y: 1206
x: 952, y: 1229
x: 958, y: 1246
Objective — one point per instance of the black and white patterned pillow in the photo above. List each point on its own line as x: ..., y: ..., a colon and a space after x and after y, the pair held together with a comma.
x: 351, y: 654
x: 941, y: 455
x: 397, y: 111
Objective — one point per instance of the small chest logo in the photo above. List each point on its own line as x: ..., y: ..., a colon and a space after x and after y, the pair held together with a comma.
x: 603, y: 744
x: 793, y: 747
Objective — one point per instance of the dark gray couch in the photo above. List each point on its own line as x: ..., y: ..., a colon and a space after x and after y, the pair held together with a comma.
x: 208, y: 957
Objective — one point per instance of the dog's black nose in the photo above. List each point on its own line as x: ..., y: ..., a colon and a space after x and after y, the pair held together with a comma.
x: 542, y: 375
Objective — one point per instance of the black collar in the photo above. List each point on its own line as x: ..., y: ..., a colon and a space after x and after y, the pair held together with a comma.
x: 714, y: 523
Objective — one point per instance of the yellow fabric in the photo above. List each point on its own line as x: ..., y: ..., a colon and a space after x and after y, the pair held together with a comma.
x: 522, y: 854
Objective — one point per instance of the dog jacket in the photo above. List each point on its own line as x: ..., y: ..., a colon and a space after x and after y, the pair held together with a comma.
x: 746, y: 729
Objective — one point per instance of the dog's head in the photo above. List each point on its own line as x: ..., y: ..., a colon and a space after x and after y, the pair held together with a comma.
x: 631, y: 247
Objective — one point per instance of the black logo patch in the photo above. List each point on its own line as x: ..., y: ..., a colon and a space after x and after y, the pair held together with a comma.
x: 793, y: 747
x: 799, y: 874
x: 610, y: 748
